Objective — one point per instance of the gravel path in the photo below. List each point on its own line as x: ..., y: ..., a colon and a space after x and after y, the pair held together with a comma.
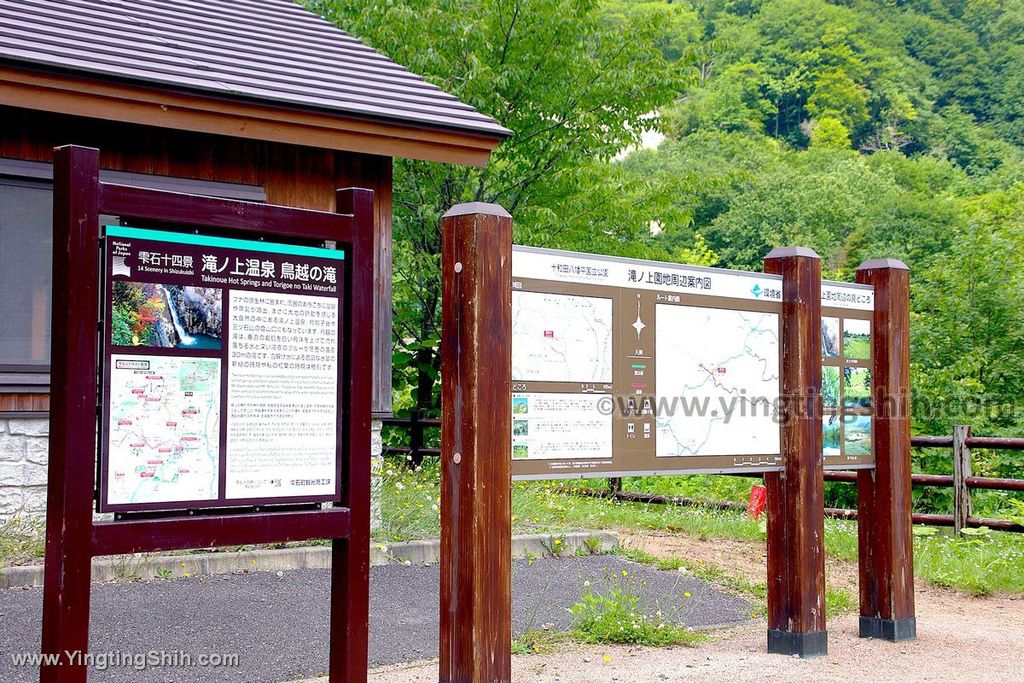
x: 278, y: 625
x: 960, y: 638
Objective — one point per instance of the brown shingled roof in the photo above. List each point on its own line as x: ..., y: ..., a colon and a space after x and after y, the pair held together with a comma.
x: 270, y: 51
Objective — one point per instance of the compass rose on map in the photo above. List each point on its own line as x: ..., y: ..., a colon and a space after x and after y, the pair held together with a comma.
x: 639, y: 324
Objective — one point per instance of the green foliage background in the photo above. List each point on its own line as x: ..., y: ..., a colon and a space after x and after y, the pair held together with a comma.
x: 861, y: 128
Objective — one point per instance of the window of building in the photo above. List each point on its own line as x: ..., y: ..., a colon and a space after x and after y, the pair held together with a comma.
x: 25, y: 253
x: 26, y: 229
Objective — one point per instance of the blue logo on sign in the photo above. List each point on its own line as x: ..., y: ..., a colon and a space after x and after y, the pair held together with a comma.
x: 756, y: 290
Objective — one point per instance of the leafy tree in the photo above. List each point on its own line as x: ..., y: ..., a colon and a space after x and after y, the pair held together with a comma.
x: 829, y: 132
x: 574, y: 86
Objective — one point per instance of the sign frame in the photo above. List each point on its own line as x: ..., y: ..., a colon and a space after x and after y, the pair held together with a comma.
x: 73, y: 535
x: 166, y: 239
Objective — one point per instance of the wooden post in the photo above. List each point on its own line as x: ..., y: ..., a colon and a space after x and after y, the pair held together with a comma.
x: 72, y: 412
x: 796, y: 520
x: 476, y: 445
x: 884, y: 500
x: 350, y: 557
x: 962, y: 505
x: 415, y: 438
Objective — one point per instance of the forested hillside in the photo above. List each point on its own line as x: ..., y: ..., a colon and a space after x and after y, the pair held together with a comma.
x: 862, y: 128
x: 868, y: 129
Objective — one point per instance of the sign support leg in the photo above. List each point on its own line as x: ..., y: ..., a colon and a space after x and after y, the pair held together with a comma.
x: 796, y: 521
x: 476, y: 444
x: 350, y: 557
x: 886, y: 551
x: 72, y: 413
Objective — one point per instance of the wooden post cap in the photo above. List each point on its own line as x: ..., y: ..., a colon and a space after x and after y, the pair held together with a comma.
x: 790, y: 252
x: 470, y: 208
x: 879, y: 263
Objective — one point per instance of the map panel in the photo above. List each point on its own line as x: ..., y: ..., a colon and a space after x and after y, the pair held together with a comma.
x: 717, y: 394
x: 164, y: 429
x: 561, y: 338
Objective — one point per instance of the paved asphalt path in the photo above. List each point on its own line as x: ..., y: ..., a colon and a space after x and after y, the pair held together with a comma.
x: 279, y: 625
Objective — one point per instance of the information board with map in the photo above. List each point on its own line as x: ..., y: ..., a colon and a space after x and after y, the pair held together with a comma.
x: 221, y: 372
x: 629, y: 367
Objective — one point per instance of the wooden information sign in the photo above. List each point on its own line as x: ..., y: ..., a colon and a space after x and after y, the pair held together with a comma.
x: 212, y: 345
x: 624, y: 367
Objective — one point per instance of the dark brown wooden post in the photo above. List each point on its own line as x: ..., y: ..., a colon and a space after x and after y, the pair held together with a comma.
x: 796, y: 508
x: 962, y: 505
x: 476, y: 444
x: 886, y: 552
x: 72, y: 411
x: 350, y: 557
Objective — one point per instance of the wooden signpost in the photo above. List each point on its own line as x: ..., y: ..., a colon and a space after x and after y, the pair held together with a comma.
x: 589, y: 331
x: 290, y: 308
x: 476, y: 440
x: 796, y: 499
x: 884, y: 500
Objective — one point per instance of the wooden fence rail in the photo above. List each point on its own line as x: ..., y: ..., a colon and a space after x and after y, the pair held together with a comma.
x: 962, y: 441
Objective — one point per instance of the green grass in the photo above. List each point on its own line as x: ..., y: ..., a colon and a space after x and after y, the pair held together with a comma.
x: 837, y: 600
x: 21, y: 541
x: 410, y: 503
x: 992, y: 563
x: 539, y: 641
x: 612, y: 614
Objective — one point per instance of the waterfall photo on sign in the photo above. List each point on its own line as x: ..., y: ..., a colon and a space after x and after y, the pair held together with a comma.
x: 168, y: 316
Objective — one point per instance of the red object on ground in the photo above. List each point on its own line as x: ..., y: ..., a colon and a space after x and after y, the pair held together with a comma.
x: 757, y: 502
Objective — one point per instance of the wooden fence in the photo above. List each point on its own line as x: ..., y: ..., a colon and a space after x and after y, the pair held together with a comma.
x: 962, y: 481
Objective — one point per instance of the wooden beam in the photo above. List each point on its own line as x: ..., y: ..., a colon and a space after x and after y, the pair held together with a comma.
x: 796, y: 521
x: 177, y: 533
x: 884, y: 499
x: 67, y: 94
x: 476, y: 445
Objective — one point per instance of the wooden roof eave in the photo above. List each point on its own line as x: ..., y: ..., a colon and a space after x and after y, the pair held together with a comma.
x: 130, y: 103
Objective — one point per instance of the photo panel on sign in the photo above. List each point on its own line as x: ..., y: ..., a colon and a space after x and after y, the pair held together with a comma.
x: 856, y: 339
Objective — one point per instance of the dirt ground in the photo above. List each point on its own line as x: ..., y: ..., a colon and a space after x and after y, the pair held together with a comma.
x: 959, y: 638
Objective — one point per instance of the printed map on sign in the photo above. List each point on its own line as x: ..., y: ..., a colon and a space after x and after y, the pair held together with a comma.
x: 561, y: 338
x: 717, y: 381
x: 164, y: 429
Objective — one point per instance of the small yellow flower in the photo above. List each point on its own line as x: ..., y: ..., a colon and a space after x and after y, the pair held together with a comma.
x: 625, y: 573
x: 687, y: 594
x: 607, y: 658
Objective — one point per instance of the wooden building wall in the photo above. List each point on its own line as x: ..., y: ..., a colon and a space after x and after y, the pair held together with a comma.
x: 290, y: 175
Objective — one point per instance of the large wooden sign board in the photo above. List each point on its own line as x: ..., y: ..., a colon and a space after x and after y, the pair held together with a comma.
x: 212, y: 346
x: 630, y: 367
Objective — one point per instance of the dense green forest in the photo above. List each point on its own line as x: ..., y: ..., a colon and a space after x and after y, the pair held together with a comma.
x: 861, y: 128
